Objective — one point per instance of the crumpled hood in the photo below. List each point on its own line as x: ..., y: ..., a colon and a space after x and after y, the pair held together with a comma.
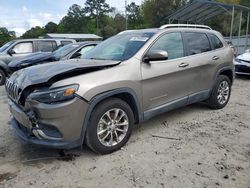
x: 31, y: 59
x: 244, y: 57
x: 40, y: 74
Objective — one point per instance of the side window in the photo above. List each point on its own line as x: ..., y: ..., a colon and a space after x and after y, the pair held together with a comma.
x: 23, y: 48
x: 172, y: 43
x: 197, y: 43
x: 215, y: 41
x: 81, y: 52
x: 46, y: 46
x: 86, y: 49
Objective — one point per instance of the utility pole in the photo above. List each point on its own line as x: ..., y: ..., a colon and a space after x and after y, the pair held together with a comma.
x: 126, y: 15
x: 97, y: 18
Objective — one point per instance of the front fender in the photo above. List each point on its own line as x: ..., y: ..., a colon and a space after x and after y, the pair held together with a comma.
x: 4, y: 67
x: 98, y: 98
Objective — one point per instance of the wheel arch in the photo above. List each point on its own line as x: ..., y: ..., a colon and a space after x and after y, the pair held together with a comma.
x: 126, y: 94
x: 227, y: 72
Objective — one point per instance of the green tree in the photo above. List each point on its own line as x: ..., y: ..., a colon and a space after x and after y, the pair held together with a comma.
x: 74, y: 22
x: 50, y: 27
x: 135, y: 19
x: 6, y: 36
x: 97, y: 9
x: 34, y: 32
x: 155, y: 11
x: 245, y: 3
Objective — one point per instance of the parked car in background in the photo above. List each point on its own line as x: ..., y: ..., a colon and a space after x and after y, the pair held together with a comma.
x: 20, y: 48
x: 242, y: 64
x: 125, y: 80
x: 70, y: 51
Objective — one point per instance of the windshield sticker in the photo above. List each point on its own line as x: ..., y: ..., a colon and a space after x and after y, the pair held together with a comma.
x: 141, y: 39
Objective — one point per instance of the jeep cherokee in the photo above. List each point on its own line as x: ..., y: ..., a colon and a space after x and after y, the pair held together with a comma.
x: 125, y: 80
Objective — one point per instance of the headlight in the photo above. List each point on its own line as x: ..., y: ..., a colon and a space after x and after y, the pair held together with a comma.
x: 54, y: 95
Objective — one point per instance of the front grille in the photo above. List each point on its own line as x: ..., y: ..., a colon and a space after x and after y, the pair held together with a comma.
x: 12, y: 90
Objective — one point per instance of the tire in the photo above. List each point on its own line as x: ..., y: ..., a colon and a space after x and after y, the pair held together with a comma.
x: 101, y: 131
x: 218, y: 102
x: 2, y: 77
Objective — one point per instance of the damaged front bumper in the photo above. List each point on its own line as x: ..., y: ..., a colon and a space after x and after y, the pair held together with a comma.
x: 50, y: 125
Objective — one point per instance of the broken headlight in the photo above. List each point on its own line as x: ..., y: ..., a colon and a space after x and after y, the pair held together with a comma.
x: 54, y: 95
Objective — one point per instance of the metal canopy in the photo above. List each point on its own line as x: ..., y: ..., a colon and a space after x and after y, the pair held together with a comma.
x: 199, y: 11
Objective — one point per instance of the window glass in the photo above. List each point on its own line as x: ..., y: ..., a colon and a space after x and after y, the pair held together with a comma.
x: 7, y: 45
x: 172, y: 43
x: 45, y: 46
x: 120, y: 47
x: 216, y: 42
x: 65, y: 50
x: 86, y: 49
x: 24, y: 47
x: 197, y: 43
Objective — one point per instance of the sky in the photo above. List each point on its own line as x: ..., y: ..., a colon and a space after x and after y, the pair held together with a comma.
x: 21, y: 15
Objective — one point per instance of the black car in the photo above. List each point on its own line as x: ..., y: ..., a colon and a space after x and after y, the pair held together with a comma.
x: 70, y: 51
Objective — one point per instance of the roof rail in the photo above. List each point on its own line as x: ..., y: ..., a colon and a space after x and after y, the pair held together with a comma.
x: 185, y: 25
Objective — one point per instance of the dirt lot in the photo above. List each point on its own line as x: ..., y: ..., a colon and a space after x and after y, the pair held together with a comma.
x: 208, y: 149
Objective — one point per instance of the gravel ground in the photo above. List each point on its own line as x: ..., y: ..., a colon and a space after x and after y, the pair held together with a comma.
x: 204, y: 148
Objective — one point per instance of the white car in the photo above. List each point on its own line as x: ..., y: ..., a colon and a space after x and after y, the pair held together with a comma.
x: 242, y: 63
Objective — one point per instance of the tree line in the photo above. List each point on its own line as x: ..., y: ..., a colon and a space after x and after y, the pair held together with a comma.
x: 98, y: 17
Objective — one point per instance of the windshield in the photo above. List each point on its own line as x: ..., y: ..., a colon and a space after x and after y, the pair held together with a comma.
x: 120, y: 47
x: 63, y: 51
x: 4, y: 47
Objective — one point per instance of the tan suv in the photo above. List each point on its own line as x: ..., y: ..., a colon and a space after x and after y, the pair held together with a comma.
x: 125, y: 80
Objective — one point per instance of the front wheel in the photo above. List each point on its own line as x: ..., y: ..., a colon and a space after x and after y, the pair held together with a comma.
x: 221, y: 93
x: 2, y: 77
x: 110, y: 126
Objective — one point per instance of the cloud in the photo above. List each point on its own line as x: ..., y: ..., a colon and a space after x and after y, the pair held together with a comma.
x: 24, y: 9
x: 25, y: 17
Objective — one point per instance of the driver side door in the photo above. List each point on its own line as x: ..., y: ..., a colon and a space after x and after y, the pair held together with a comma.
x: 21, y: 50
x: 165, y: 83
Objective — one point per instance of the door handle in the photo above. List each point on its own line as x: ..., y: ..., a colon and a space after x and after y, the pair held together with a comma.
x: 216, y: 58
x: 182, y: 65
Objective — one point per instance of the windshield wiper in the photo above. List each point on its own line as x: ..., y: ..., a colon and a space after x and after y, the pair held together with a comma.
x: 92, y: 58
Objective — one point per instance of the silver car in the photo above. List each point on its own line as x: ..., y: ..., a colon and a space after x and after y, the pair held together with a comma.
x: 125, y: 80
x: 242, y: 64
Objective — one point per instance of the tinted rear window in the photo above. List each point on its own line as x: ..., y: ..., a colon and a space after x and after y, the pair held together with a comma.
x: 66, y: 42
x: 197, y: 43
x: 215, y: 41
x: 46, y: 46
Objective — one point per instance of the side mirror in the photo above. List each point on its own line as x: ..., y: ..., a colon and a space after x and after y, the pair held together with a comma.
x: 155, y: 55
x: 247, y: 51
x: 11, y: 52
x: 76, y: 55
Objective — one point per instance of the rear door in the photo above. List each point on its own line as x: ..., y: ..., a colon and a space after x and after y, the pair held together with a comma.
x: 45, y: 46
x: 201, y: 61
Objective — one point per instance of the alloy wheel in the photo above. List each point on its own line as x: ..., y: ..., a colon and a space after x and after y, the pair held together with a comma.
x: 112, y: 127
x: 223, y: 92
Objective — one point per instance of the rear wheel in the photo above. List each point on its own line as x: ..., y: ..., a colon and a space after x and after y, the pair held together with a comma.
x: 2, y: 77
x: 110, y: 126
x: 221, y: 93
